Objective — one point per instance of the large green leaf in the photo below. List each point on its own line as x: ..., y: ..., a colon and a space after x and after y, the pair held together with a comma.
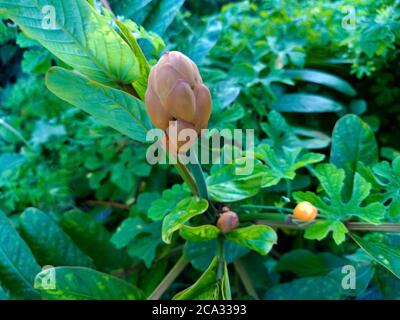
x: 128, y: 7
x: 94, y: 240
x: 208, y: 287
x: 353, y: 141
x: 200, y: 233
x: 386, y: 255
x: 335, y: 208
x: 363, y: 275
x: 200, y: 254
x: 77, y: 283
x: 162, y: 15
x: 18, y: 266
x: 305, y: 263
x: 140, y: 84
x: 183, y: 211
x: 49, y: 243
x: 311, y: 288
x: 256, y: 237
x: 153, y: 15
x: 305, y: 102
x: 201, y: 45
x: 226, y: 185
x: 112, y: 107
x: 81, y: 37
x: 322, y: 78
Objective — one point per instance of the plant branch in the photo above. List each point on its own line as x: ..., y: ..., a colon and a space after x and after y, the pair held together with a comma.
x: 197, y: 171
x: 244, y: 276
x: 362, y: 226
x: 221, y: 258
x: 198, y: 174
x: 168, y: 279
x: 112, y: 204
x: 107, y: 6
x: 141, y: 265
x: 281, y: 221
x: 289, y: 188
x: 256, y: 206
x: 15, y: 132
x: 187, y: 177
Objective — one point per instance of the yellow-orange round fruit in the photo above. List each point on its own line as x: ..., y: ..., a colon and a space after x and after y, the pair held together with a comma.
x: 305, y: 211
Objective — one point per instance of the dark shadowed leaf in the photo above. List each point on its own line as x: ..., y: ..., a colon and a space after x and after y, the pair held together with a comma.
x: 18, y: 266
x: 207, y: 287
x: 49, y: 243
x: 305, y: 102
x: 94, y: 240
x: 76, y: 283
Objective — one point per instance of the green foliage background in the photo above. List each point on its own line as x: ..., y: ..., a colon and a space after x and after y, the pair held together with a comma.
x: 77, y: 193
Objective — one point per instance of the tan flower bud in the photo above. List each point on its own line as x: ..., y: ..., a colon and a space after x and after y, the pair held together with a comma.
x: 227, y: 221
x: 176, y: 93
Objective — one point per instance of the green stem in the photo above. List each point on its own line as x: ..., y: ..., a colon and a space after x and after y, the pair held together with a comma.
x: 198, y: 174
x: 271, y: 216
x: 289, y: 188
x: 245, y: 278
x: 221, y: 257
x: 15, y: 132
x: 256, y: 206
x: 168, y: 279
x: 187, y: 177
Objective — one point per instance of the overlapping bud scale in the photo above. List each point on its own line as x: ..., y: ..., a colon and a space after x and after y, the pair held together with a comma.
x: 176, y: 93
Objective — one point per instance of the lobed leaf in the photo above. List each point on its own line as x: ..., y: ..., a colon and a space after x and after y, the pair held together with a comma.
x: 283, y: 165
x: 335, y: 208
x: 353, y: 142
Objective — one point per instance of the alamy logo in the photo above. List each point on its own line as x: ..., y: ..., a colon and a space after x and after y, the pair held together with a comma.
x: 49, y: 18
x: 349, y: 280
x: 46, y: 279
x: 210, y: 147
x: 349, y: 20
